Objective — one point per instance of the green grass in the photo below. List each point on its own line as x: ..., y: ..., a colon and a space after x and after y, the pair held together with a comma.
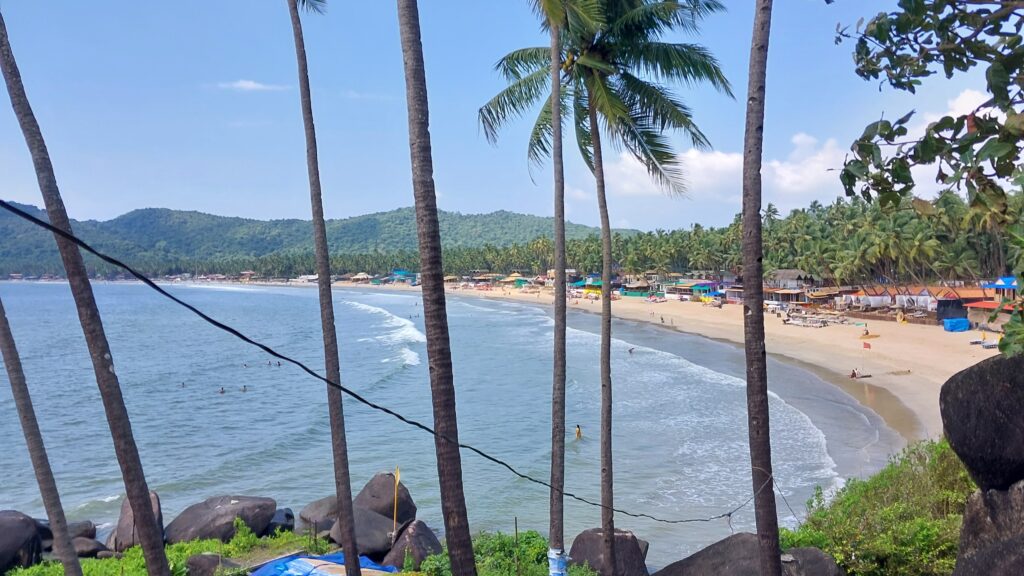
x: 498, y: 554
x: 245, y: 548
x: 904, y: 520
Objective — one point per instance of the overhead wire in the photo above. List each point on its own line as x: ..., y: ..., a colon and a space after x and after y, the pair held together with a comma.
x: 351, y: 393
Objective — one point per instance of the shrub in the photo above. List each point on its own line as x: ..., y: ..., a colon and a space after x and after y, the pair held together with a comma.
x: 904, y: 520
x: 498, y: 554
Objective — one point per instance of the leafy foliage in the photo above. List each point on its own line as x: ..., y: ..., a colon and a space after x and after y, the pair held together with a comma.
x: 243, y: 547
x: 499, y: 554
x: 978, y: 153
x: 904, y: 520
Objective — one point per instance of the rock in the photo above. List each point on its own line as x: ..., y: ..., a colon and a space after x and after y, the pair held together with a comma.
x: 379, y: 496
x: 982, y: 409
x: 319, y: 514
x: 20, y: 545
x: 738, y: 555
x: 208, y: 564
x: 87, y: 547
x: 283, y: 520
x: 215, y: 518
x: 992, y: 534
x: 83, y: 529
x: 373, y: 532
x: 588, y: 548
x: 124, y: 535
x: 417, y: 541
x: 644, y: 547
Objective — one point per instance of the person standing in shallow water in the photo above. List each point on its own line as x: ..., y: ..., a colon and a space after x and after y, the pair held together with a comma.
x: 579, y: 432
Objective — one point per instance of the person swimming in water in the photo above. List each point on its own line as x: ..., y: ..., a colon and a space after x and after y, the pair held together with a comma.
x: 245, y: 388
x: 631, y: 350
x: 579, y: 432
x: 221, y: 389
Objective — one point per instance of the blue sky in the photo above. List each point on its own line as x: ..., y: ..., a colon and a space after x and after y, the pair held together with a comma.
x: 193, y: 105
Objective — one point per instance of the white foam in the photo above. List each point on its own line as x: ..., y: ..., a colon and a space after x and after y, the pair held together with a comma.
x: 410, y: 357
x: 405, y: 330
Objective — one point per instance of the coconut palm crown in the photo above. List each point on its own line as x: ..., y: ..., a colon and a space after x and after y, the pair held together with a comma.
x: 621, y: 68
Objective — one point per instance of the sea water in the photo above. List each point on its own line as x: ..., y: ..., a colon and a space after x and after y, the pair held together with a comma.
x: 680, y: 428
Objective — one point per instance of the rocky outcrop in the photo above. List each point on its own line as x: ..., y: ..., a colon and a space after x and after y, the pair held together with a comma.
x: 373, y: 532
x: 738, y: 554
x: 379, y: 496
x: 215, y: 518
x: 124, y: 535
x: 208, y: 565
x: 992, y: 535
x: 319, y: 514
x: 20, y: 545
x: 87, y: 547
x: 983, y: 416
x: 416, y: 542
x: 588, y: 548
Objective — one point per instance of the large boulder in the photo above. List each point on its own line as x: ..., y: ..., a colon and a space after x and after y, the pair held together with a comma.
x: 208, y: 565
x: 417, y: 542
x: 87, y: 547
x: 738, y: 555
x: 124, y: 535
x: 373, y: 532
x: 215, y: 518
x: 379, y: 496
x: 20, y: 545
x: 83, y: 529
x: 588, y: 548
x: 983, y: 416
x: 319, y: 514
x: 992, y: 534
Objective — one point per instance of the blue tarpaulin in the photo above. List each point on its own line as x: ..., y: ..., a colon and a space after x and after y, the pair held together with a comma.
x: 956, y: 324
x: 306, y: 565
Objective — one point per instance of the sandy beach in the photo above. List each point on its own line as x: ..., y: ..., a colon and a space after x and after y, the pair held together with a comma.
x: 908, y: 363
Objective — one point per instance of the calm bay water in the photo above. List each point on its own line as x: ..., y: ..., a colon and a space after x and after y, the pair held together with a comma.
x: 680, y: 413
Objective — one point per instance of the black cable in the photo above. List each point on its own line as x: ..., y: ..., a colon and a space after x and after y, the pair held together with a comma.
x: 354, y: 395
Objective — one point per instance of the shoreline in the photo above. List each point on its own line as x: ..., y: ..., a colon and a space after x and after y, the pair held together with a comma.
x: 908, y: 363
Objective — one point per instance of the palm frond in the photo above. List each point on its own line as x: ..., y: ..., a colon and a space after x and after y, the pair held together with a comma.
x: 512, y: 102
x: 650, y: 19
x: 539, y: 146
x: 659, y: 108
x: 524, y: 62
x: 690, y: 64
x: 604, y: 99
x: 584, y: 17
x: 314, y: 6
x: 652, y: 149
x: 581, y: 121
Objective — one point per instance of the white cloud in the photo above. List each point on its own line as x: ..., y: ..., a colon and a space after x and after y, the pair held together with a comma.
x: 805, y: 174
x: 573, y: 193
x: 357, y: 95
x: 250, y: 86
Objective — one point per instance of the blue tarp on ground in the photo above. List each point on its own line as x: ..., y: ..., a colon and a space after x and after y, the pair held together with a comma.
x: 956, y: 324
x: 305, y: 565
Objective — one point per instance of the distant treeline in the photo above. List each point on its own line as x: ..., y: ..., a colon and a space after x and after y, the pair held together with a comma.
x: 849, y: 241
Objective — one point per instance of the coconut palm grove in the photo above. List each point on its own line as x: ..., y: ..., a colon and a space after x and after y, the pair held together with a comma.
x: 801, y: 384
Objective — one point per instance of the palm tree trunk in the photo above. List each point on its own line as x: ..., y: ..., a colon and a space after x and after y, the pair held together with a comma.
x: 335, y: 410
x: 753, y: 300
x: 62, y: 547
x: 607, y: 502
x: 435, y: 315
x: 555, y: 528
x: 150, y: 533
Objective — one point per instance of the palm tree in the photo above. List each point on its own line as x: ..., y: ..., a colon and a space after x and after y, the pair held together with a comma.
x: 753, y: 296
x: 335, y: 410
x: 150, y: 533
x: 37, y: 451
x: 603, y: 82
x: 435, y: 316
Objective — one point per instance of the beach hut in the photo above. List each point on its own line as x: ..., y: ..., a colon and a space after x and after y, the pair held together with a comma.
x: 734, y: 294
x: 362, y: 278
x: 1005, y: 287
x: 789, y: 278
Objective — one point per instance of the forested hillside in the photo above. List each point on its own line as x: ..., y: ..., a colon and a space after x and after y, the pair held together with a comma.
x: 161, y: 239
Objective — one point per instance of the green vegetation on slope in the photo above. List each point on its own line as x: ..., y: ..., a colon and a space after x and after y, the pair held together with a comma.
x: 161, y: 239
x: 904, y: 520
x: 500, y: 554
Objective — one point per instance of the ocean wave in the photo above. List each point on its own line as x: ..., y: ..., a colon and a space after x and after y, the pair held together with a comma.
x: 410, y: 357
x: 404, y: 330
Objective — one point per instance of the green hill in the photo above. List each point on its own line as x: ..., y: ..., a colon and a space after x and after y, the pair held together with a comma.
x: 156, y: 237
